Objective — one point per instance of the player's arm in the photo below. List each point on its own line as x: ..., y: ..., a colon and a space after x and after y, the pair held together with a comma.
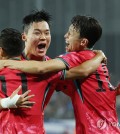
x: 39, y: 67
x: 16, y: 101
x: 35, y: 67
x: 86, y: 68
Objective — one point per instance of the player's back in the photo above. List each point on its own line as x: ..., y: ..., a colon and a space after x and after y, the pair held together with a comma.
x: 99, y: 100
x: 23, y: 120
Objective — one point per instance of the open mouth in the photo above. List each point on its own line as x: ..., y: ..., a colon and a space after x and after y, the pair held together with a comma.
x: 67, y: 46
x: 67, y: 43
x: 40, y: 46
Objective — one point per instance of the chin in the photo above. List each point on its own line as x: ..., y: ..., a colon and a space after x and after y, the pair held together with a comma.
x: 41, y: 55
x: 67, y: 50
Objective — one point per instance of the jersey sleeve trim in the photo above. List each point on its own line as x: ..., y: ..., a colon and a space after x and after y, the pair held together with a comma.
x: 67, y: 65
x: 78, y: 88
x: 63, y: 75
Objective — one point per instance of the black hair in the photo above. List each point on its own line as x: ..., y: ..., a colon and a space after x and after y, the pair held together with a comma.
x: 88, y: 27
x: 11, y: 42
x: 35, y: 16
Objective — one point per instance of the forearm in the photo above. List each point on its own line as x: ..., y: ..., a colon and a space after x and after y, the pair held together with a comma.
x: 53, y: 65
x: 36, y: 67
x: 85, y: 69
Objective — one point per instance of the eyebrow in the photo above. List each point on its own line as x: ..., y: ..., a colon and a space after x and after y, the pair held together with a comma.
x: 41, y: 30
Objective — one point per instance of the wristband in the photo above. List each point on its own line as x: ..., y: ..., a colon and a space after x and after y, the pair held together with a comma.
x: 10, y: 102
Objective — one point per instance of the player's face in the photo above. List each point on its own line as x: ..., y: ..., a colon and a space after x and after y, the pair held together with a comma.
x: 37, y: 40
x: 73, y: 42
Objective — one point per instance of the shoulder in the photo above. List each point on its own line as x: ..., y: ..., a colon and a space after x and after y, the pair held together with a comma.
x: 87, y: 54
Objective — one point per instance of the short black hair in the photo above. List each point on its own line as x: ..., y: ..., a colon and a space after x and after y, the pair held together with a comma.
x: 88, y: 27
x: 11, y: 42
x: 36, y: 16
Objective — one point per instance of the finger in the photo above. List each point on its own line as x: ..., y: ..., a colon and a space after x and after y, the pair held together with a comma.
x: 28, y: 97
x: 24, y: 106
x: 26, y: 93
x: 104, y: 61
x: 16, y: 91
x: 28, y: 103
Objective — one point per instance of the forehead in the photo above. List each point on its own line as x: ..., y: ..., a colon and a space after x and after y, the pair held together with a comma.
x: 73, y: 30
x: 43, y: 25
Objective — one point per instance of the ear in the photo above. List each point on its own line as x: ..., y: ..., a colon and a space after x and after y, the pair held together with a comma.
x: 84, y: 42
x: 24, y: 37
x: 1, y: 53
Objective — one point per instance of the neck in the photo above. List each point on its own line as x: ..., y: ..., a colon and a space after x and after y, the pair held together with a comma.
x: 33, y: 57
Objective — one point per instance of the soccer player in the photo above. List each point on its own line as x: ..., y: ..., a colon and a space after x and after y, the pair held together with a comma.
x: 37, y: 40
x: 14, y: 117
x: 13, y: 50
x: 93, y: 98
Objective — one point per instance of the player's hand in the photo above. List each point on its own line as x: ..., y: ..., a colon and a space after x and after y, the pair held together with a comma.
x: 100, y: 52
x: 23, y: 100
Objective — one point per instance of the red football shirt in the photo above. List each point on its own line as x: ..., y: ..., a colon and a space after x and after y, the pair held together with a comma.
x: 23, y: 120
x: 93, y: 98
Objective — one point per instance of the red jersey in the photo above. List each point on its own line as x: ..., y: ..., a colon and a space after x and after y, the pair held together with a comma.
x: 52, y: 86
x: 93, y: 98
x: 23, y: 120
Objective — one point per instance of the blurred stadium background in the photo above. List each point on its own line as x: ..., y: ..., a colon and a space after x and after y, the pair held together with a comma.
x: 106, y: 11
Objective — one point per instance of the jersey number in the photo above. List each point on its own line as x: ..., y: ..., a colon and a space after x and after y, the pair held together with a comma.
x: 100, y: 83
x: 23, y: 82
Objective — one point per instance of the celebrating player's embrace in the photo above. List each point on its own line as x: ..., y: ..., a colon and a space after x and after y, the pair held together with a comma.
x: 92, y: 95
